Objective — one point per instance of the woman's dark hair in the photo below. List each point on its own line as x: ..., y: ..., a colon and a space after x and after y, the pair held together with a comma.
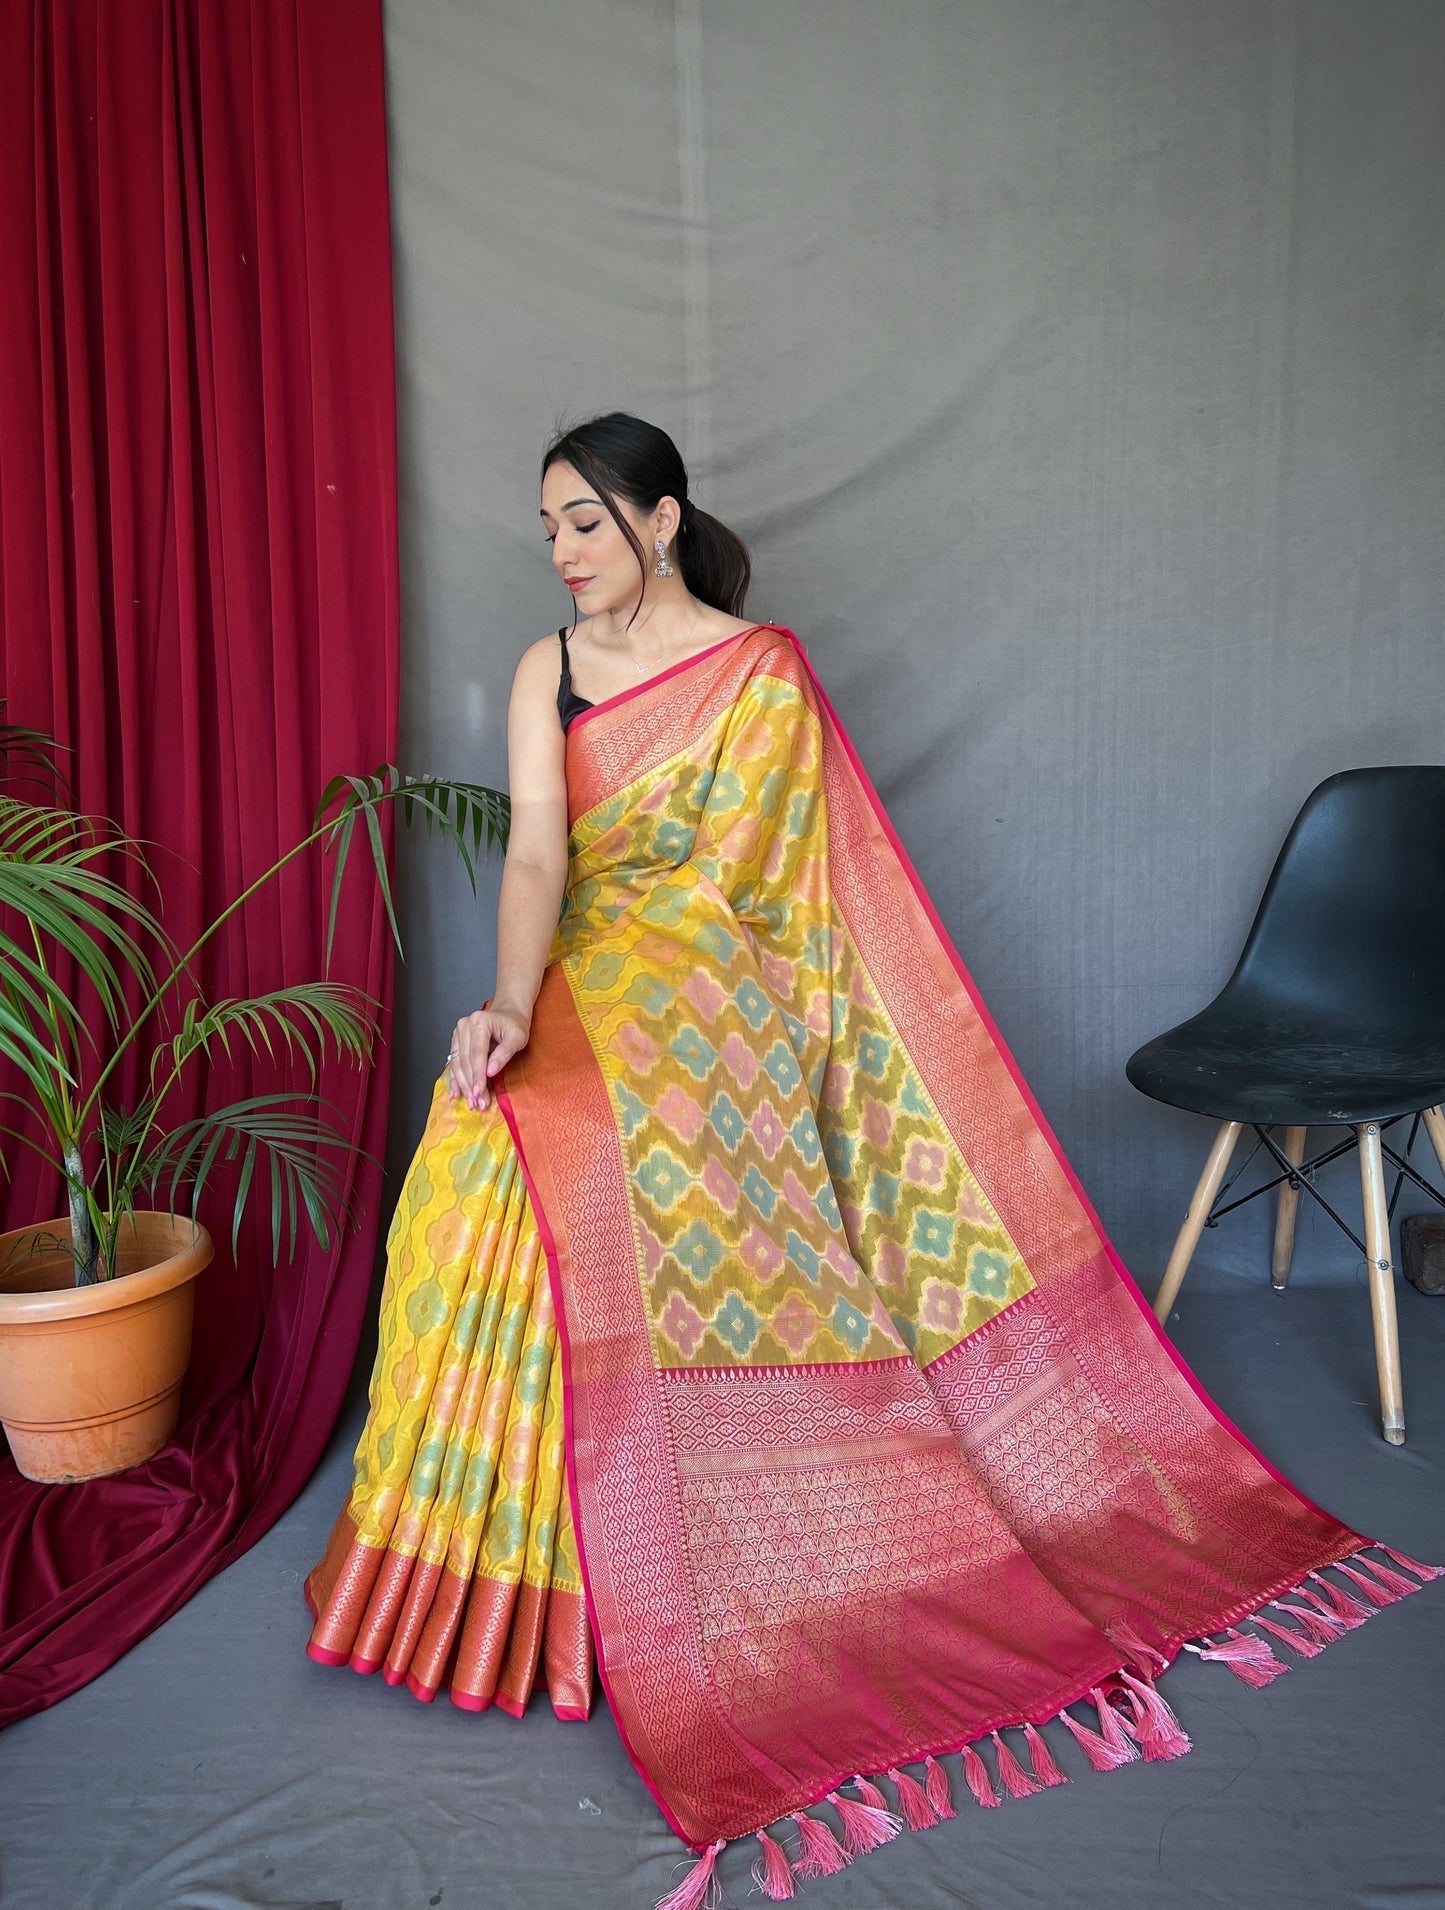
x: 623, y: 456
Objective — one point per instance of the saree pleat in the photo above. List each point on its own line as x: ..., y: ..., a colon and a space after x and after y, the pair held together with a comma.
x: 453, y: 1563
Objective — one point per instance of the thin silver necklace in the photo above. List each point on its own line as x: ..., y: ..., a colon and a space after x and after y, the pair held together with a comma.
x: 641, y: 668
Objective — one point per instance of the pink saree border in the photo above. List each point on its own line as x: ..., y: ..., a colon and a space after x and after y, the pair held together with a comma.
x: 1131, y: 1286
x: 554, y: 1276
x: 665, y: 676
x: 1074, y: 1691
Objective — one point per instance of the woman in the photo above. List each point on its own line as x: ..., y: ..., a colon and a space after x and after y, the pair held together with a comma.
x: 741, y: 1313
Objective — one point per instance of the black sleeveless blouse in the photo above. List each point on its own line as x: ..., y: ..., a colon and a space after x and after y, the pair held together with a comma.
x: 569, y: 704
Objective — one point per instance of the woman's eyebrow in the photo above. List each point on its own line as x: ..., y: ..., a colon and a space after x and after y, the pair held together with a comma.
x: 571, y: 505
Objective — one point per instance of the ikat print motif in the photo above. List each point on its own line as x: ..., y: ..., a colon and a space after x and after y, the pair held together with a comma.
x: 461, y: 1463
x: 796, y: 1197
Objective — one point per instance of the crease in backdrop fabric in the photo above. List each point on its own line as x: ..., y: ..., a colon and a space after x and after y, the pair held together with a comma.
x: 199, y: 583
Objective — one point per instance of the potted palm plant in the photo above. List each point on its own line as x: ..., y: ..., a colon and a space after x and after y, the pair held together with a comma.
x: 95, y: 1307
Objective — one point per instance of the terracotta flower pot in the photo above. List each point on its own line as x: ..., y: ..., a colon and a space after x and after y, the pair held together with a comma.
x: 90, y: 1377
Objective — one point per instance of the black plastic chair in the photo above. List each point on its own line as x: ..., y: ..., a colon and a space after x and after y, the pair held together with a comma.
x: 1334, y: 1015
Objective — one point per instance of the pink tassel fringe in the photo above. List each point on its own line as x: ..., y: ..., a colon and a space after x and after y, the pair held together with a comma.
x: 1377, y: 1594
x: 936, y: 1788
x: 1322, y: 1627
x: 1412, y: 1565
x: 913, y: 1801
x: 1248, y: 1657
x: 1046, y: 1769
x: 1099, y: 1754
x: 1325, y: 1611
x: 1348, y: 1610
x: 868, y: 1823
x: 1111, y: 1727
x: 865, y: 1827
x: 1159, y: 1732
x: 975, y: 1773
x: 1393, y: 1581
x: 1299, y: 1641
x: 699, y: 1886
x: 772, y: 1873
x: 821, y: 1854
x: 871, y: 1794
x: 1012, y: 1775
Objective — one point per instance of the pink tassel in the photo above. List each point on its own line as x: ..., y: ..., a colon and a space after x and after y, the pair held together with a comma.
x: 1012, y: 1775
x: 1111, y: 1727
x: 865, y: 1827
x: 1348, y: 1610
x: 772, y: 1873
x: 1159, y: 1732
x: 976, y: 1776
x: 1377, y: 1594
x: 1100, y: 1757
x: 1394, y: 1581
x: 1322, y: 1627
x: 1251, y: 1672
x: 699, y: 1886
x: 1123, y: 1634
x: 913, y: 1802
x: 1326, y: 1612
x: 1046, y: 1770
x: 1248, y: 1658
x: 1296, y: 1640
x: 1412, y: 1565
x: 871, y: 1794
x: 936, y: 1788
x: 821, y: 1855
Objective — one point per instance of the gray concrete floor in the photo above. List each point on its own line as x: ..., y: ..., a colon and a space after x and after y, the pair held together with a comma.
x: 216, y: 1767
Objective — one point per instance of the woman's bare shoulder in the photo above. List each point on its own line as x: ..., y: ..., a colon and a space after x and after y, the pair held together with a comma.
x: 540, y: 664
x: 548, y: 647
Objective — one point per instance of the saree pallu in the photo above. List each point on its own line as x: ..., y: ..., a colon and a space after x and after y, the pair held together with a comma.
x: 872, y: 1449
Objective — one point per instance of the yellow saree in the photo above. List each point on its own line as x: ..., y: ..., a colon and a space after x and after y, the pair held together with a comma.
x: 761, y: 1334
x: 454, y: 1561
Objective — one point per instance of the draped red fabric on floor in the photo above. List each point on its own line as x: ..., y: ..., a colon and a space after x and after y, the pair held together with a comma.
x: 198, y: 586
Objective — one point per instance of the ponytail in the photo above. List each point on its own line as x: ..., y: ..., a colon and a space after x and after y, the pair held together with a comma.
x: 715, y: 564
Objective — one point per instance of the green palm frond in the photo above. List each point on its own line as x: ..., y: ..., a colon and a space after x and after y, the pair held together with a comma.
x: 303, y: 1019
x: 33, y: 748
x: 46, y: 878
x: 40, y: 1059
x: 125, y: 1128
x: 265, y: 1125
x: 470, y: 815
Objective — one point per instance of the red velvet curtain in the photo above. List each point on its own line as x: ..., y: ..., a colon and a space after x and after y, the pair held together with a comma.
x: 198, y: 594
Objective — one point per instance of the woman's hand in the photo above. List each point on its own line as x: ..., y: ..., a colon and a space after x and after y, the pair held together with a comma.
x: 482, y: 1045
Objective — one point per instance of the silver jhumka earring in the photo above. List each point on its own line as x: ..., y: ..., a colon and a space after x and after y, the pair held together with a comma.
x: 662, y: 568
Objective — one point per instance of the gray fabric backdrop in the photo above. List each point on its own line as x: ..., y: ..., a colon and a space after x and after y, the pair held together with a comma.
x: 1074, y: 370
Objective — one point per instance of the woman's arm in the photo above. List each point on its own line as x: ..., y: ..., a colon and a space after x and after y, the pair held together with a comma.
x: 534, y: 875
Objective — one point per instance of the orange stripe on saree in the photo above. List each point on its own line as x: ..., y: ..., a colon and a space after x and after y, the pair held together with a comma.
x: 872, y: 1449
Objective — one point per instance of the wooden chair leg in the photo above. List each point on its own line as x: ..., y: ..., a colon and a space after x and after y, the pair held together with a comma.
x: 1382, y: 1283
x: 1204, y: 1193
x: 1435, y: 1127
x: 1286, y: 1211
